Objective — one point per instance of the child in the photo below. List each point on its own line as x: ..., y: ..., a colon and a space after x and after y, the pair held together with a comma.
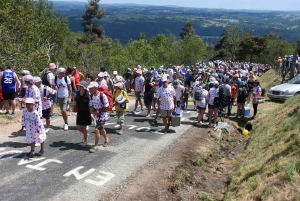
x: 35, y: 132
x: 121, y: 100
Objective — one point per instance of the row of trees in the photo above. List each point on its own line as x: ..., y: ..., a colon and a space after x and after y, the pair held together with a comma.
x: 236, y: 44
x: 32, y: 35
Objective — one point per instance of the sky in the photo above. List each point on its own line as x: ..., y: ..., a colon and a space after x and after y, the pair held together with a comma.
x: 227, y: 4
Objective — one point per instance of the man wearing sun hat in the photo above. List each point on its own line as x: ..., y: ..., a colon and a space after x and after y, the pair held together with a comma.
x: 167, y: 96
x: 9, y: 85
x: 101, y: 81
x: 48, y: 80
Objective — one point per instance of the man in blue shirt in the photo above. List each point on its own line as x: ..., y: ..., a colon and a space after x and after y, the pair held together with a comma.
x: 9, y: 85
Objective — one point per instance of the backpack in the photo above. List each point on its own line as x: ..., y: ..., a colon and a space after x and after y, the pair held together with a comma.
x: 199, y: 94
x: 243, y: 93
x: 104, y: 90
x: 55, y: 80
x: 45, y: 80
x: 222, y: 97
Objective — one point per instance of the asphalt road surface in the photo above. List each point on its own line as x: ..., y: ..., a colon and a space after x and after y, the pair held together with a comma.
x: 68, y: 172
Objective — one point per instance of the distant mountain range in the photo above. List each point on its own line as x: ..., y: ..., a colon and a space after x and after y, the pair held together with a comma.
x: 126, y: 21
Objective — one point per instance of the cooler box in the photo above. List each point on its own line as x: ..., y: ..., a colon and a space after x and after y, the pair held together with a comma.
x: 175, y: 121
x: 247, y: 112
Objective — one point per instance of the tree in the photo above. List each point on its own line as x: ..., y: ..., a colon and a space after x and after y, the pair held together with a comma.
x: 230, y: 40
x: 187, y: 30
x: 252, y: 46
x: 90, y: 25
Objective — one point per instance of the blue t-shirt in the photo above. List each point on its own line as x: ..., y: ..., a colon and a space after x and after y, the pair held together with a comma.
x: 159, y: 81
x: 187, y: 76
x: 8, y: 82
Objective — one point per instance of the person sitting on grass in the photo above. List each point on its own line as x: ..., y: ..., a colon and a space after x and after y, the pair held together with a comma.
x: 35, y: 132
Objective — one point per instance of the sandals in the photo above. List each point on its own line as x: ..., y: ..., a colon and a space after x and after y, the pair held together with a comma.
x: 105, y: 143
x: 93, y: 150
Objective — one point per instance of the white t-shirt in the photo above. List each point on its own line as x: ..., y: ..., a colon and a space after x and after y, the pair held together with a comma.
x: 212, y: 94
x: 62, y: 87
x: 202, y: 103
x: 170, y: 72
x: 46, y: 103
x: 50, y: 76
x: 179, y: 91
x: 97, y: 104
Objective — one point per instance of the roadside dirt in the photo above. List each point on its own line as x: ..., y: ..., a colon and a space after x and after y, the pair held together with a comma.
x: 195, y: 167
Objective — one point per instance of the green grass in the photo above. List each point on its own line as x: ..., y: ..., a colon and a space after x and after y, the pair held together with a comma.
x: 7, y: 117
x: 271, y: 158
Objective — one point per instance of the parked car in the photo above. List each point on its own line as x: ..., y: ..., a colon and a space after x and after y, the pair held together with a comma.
x: 285, y: 91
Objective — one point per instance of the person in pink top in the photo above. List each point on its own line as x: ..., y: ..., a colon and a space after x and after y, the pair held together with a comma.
x: 167, y: 96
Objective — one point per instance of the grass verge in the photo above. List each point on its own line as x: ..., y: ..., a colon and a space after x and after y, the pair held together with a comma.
x: 269, y: 167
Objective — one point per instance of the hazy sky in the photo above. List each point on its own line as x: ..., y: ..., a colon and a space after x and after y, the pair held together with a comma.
x: 228, y: 4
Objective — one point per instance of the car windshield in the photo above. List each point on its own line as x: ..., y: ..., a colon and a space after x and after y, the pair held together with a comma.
x: 295, y: 80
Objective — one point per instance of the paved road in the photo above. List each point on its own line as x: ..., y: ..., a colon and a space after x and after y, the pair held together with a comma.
x: 69, y: 172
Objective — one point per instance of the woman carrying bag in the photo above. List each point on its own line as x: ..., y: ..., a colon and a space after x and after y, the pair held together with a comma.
x: 256, y: 91
x: 81, y: 106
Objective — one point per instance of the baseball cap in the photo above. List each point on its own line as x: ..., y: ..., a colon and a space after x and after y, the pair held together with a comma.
x: 105, y: 74
x: 29, y: 100
x: 8, y: 64
x: 61, y: 70
x: 28, y: 78
x: 93, y: 84
x: 36, y: 79
x: 119, y: 85
x: 115, y: 72
x: 101, y: 74
x: 164, y: 78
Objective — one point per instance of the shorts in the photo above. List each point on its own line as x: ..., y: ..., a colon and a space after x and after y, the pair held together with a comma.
x: 138, y: 95
x: 128, y: 83
x: 63, y: 103
x: 121, y: 118
x: 9, y: 96
x: 147, y: 98
x: 22, y: 93
x: 46, y: 113
x: 213, y: 106
x: 100, y: 125
x: 165, y: 113
x: 201, y: 108
x: 54, y: 98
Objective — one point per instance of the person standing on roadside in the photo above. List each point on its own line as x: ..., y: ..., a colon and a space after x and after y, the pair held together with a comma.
x: 256, y: 91
x: 167, y: 97
x: 128, y: 76
x: 121, y: 100
x: 227, y: 93
x: 35, y: 132
x: 78, y: 76
x: 138, y: 87
x: 48, y: 80
x: 83, y: 118
x: 148, y: 88
x: 64, y: 94
x: 46, y: 93
x: 242, y: 95
x: 213, y: 103
x: 9, y: 86
x: 99, y: 108
x: 32, y: 91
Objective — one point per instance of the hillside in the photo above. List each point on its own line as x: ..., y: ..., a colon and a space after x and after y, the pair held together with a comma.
x: 127, y: 21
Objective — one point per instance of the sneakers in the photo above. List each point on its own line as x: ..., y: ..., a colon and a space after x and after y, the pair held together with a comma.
x: 200, y: 123
x: 148, y: 116
x: 47, y: 130
x: 142, y: 110
x: 6, y: 113
x: 66, y: 127
x: 40, y: 153
x: 83, y: 144
x: 13, y: 114
x: 30, y: 154
x: 215, y: 125
x: 93, y: 150
x: 120, y: 132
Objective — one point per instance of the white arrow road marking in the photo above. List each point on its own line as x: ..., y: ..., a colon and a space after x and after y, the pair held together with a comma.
x: 14, y: 152
x: 76, y: 173
x: 26, y: 160
x: 39, y: 166
x: 103, y: 179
